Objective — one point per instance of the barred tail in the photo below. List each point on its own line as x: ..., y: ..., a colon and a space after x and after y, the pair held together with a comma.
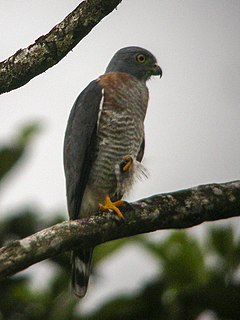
x: 81, y: 264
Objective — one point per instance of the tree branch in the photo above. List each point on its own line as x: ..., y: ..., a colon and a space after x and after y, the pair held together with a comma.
x: 49, y: 49
x: 181, y: 209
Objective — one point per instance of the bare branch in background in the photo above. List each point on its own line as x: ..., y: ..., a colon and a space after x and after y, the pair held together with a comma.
x: 49, y: 49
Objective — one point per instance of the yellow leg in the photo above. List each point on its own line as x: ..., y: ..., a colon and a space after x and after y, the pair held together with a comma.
x: 127, y: 163
x: 109, y: 205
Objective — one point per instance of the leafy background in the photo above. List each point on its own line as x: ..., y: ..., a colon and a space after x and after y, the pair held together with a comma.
x: 196, y: 279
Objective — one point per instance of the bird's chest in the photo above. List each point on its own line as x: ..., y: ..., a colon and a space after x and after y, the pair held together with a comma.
x: 120, y: 130
x: 121, y: 117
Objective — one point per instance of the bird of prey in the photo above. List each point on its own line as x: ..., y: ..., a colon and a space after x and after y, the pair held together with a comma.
x: 104, y: 143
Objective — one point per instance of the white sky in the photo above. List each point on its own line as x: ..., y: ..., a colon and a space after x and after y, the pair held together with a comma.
x: 192, y: 125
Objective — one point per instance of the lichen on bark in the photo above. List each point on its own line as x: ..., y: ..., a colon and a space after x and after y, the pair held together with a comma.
x: 49, y: 49
x: 180, y: 209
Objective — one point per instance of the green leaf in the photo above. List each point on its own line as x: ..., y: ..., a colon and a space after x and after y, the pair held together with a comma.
x: 104, y: 250
x: 10, y: 154
x: 225, y: 249
x: 182, y: 259
x: 221, y: 241
x: 27, y: 133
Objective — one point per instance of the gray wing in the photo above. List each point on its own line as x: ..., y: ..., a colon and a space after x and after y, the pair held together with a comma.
x: 80, y: 143
x: 141, y: 151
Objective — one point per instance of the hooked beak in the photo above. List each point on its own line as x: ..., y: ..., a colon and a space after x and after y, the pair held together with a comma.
x: 157, y: 71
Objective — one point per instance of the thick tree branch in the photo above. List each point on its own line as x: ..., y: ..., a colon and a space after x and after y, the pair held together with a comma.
x: 181, y: 209
x: 49, y: 49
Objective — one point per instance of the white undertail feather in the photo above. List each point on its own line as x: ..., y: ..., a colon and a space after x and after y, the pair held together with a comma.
x: 81, y: 264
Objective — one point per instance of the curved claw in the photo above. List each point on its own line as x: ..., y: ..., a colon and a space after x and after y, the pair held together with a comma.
x: 126, y: 164
x: 109, y: 205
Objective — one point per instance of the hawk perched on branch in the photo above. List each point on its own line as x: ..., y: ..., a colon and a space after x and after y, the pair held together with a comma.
x: 104, y: 143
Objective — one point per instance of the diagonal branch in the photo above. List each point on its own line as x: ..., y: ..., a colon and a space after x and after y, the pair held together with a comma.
x: 49, y: 49
x: 181, y: 209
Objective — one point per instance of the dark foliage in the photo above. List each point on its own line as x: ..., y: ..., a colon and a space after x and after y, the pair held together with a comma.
x: 194, y: 277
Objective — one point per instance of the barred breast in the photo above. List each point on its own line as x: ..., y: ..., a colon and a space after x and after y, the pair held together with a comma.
x: 120, y: 128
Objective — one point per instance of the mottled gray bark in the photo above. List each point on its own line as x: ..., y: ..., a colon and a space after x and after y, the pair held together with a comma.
x: 181, y: 209
x: 49, y: 49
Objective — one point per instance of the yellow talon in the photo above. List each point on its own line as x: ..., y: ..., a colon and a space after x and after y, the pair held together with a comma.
x: 109, y: 205
x: 128, y: 160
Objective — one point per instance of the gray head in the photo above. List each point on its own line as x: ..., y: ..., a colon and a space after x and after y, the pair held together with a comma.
x: 136, y: 61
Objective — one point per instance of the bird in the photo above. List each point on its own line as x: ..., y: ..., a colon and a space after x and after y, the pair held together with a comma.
x: 104, y: 144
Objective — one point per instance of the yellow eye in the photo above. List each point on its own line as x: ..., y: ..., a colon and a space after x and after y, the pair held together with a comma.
x: 140, y: 58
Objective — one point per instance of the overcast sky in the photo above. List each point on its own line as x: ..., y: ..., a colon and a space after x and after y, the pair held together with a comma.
x: 192, y: 125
